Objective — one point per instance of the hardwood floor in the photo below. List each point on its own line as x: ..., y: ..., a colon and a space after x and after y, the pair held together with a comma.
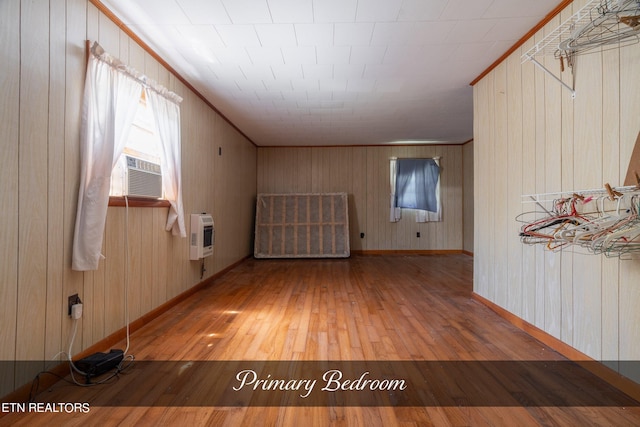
x: 384, y: 309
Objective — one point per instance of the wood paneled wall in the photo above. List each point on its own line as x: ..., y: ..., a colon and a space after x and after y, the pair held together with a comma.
x: 467, y: 194
x: 42, y: 69
x: 530, y: 137
x: 363, y: 173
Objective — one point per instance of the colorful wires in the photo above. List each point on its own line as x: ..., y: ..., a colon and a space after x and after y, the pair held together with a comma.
x: 605, y: 224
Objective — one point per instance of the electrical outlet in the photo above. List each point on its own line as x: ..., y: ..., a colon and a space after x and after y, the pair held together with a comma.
x: 73, y: 299
x: 76, y: 311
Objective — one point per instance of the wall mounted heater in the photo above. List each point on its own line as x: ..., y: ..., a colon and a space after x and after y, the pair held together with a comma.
x: 202, y: 236
x: 142, y: 178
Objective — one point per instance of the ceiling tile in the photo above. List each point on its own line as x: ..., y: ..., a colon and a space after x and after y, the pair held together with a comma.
x: 251, y: 72
x: 208, y: 12
x: 421, y: 10
x: 351, y: 34
x: 199, y: 35
x: 465, y: 9
x: 316, y: 71
x: 314, y: 34
x: 278, y: 85
x: 470, y: 31
x: 333, y: 55
x: 299, y: 55
x: 433, y: 33
x: 472, y: 52
x: 378, y: 11
x: 334, y: 10
x: 276, y: 35
x: 268, y: 95
x: 387, y: 33
x: 286, y: 71
x: 389, y: 85
x: 305, y: 85
x: 367, y: 54
x: 319, y: 95
x: 291, y: 11
x: 231, y: 57
x: 348, y: 71
x: 361, y: 85
x: 508, y: 29
x: 248, y: 11
x: 368, y: 71
x: 378, y: 71
x: 333, y: 85
x: 156, y: 12
x: 224, y: 72
x: 265, y: 56
x: 401, y: 55
x: 517, y: 8
x: 250, y: 85
x: 238, y: 35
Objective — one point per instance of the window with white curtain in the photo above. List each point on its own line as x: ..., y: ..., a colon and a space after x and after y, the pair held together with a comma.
x: 415, y: 185
x: 143, y: 143
x: 111, y: 98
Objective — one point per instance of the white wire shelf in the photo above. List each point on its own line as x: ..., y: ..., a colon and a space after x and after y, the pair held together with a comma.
x: 549, y: 45
x: 597, y: 23
x: 549, y: 197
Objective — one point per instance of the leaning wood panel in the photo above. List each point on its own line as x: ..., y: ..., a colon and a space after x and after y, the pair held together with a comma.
x: 514, y: 171
x: 500, y: 186
x: 611, y: 165
x: 10, y: 148
x: 552, y: 168
x: 84, y: 284
x: 55, y: 179
x: 32, y: 176
x: 566, y: 274
x: 629, y: 292
x: 481, y: 239
x: 529, y: 271
x: 539, y: 143
x: 302, y: 225
x: 587, y: 288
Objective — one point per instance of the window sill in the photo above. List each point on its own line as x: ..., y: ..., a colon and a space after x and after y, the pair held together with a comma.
x: 138, y: 202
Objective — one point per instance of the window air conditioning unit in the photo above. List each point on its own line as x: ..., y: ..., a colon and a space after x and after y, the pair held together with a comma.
x: 142, y: 178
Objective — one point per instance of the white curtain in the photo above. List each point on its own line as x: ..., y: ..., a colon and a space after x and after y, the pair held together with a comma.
x: 112, y: 95
x: 111, y: 98
x: 428, y: 216
x: 395, y: 213
x: 167, y: 118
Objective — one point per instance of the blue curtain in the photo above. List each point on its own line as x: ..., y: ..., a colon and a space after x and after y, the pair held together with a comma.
x: 416, y: 183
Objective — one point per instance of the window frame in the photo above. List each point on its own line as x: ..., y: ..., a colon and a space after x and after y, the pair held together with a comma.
x: 412, y: 182
x: 138, y: 202
x: 395, y: 212
x: 135, y: 201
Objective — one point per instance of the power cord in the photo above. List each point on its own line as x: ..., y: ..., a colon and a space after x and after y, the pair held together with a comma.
x: 124, y: 365
x: 126, y: 273
x: 120, y: 369
x: 127, y: 360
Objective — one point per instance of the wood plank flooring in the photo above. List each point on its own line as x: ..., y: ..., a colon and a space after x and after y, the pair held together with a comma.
x: 375, y: 308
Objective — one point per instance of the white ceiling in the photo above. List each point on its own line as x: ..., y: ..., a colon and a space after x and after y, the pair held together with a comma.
x: 335, y: 72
